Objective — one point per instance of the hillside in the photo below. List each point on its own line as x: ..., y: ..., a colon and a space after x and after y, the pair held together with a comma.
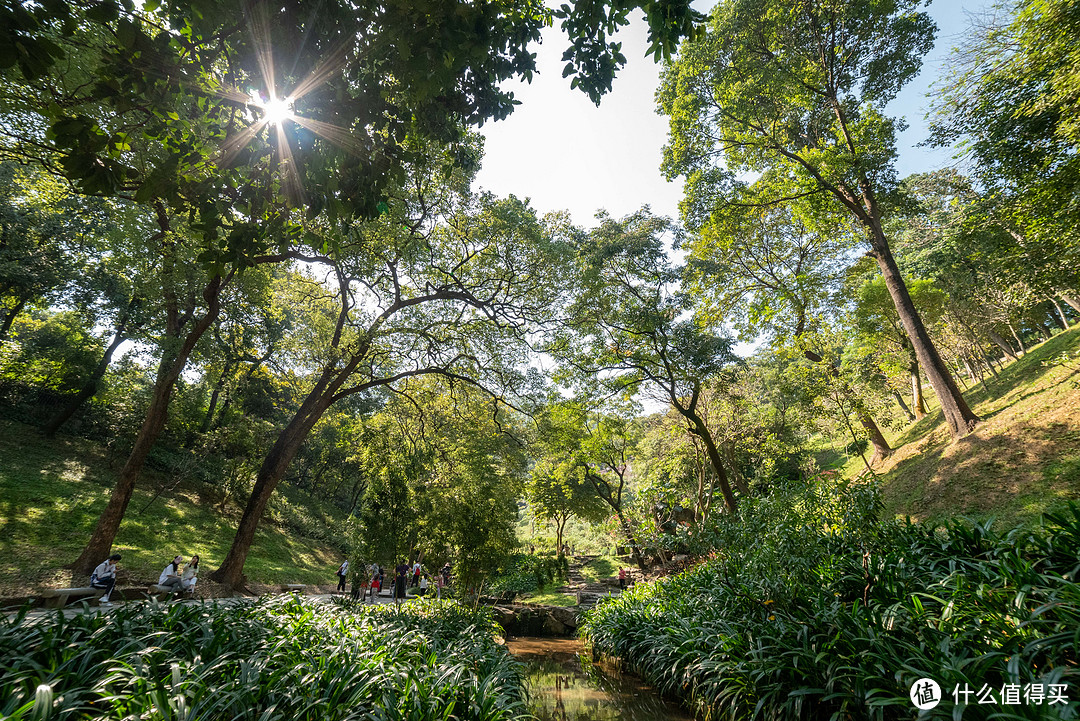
x: 51, y: 493
x: 1021, y: 460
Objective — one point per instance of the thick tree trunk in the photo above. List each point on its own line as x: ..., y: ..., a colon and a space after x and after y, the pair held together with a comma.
x: 1072, y: 300
x: 882, y: 449
x: 168, y: 372
x: 903, y: 406
x: 89, y: 388
x: 959, y: 417
x: 274, y: 465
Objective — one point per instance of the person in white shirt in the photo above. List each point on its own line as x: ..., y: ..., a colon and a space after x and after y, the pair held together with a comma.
x: 423, y: 584
x: 342, y: 572
x: 104, y: 576
x: 190, y: 575
x: 170, y: 576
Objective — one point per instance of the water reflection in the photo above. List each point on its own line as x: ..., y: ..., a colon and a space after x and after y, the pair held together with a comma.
x: 564, y: 685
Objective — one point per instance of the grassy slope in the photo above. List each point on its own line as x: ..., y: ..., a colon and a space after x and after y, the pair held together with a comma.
x: 1021, y: 460
x: 51, y: 493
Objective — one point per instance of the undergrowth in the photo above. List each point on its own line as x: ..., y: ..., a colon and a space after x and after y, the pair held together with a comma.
x: 283, y: 658
x: 816, y: 609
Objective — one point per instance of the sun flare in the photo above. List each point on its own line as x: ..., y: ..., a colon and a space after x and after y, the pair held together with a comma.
x: 277, y: 110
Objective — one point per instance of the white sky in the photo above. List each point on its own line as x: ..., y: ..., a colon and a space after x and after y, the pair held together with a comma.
x: 563, y: 152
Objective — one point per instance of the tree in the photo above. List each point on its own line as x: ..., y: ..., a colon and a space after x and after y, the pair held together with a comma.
x: 777, y: 272
x: 558, y: 488
x: 623, y: 330
x: 793, y: 93
x: 232, y: 117
x: 876, y: 318
x: 451, y: 282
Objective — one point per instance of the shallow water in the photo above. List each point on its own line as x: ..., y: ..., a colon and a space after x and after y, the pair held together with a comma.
x: 565, y: 685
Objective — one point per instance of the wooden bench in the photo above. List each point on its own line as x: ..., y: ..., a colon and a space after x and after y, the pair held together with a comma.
x: 58, y: 597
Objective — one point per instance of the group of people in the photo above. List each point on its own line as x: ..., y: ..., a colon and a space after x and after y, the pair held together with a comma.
x: 172, y: 576
x: 405, y: 576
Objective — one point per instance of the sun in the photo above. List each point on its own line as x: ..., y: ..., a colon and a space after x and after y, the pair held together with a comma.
x: 277, y: 110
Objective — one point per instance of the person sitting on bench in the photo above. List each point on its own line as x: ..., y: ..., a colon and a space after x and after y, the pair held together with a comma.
x: 104, y: 576
x: 171, y: 575
x: 190, y: 575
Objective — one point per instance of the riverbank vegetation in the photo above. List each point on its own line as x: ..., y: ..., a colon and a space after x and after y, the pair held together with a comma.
x: 813, y: 606
x: 283, y: 658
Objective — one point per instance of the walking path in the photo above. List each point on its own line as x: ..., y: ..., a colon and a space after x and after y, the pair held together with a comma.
x: 80, y: 608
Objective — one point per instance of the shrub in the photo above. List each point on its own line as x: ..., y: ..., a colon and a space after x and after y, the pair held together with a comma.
x: 813, y: 609
x: 281, y: 658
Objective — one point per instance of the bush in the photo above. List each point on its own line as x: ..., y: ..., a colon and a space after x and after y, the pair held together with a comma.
x: 281, y: 658
x: 813, y: 609
x: 523, y: 573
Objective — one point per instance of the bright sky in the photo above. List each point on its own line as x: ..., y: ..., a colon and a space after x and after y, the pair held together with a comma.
x: 563, y: 152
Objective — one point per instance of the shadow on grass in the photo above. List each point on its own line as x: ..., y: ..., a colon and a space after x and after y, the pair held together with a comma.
x: 52, y: 492
x: 1014, y: 475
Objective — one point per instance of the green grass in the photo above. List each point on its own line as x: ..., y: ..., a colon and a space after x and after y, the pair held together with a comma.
x: 549, y: 598
x: 599, y: 569
x: 51, y: 493
x: 1021, y: 461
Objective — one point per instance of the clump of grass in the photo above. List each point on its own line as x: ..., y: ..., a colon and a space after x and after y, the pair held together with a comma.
x: 815, y: 609
x: 282, y: 658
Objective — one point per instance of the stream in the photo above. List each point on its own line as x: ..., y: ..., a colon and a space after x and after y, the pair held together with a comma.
x: 565, y: 685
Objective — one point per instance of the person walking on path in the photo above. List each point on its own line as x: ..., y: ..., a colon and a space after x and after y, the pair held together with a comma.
x: 424, y: 583
x: 416, y: 570
x: 622, y: 578
x: 440, y: 581
x: 104, y: 576
x: 342, y: 572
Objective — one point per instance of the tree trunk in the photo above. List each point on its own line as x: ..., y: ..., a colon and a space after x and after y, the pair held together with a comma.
x: 918, y: 404
x: 9, y: 319
x: 882, y: 449
x: 1060, y: 313
x: 903, y: 406
x: 1001, y: 343
x: 274, y: 465
x: 89, y: 388
x: 169, y: 371
x: 959, y: 417
x: 1019, y: 341
x: 209, y: 417
x: 1071, y: 300
x: 699, y: 429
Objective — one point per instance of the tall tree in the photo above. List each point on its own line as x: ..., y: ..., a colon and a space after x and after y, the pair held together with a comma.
x: 776, y: 272
x: 624, y: 330
x: 445, y: 283
x: 794, y: 93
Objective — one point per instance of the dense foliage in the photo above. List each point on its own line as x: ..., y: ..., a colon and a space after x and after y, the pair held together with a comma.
x: 814, y: 608
x: 282, y: 658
